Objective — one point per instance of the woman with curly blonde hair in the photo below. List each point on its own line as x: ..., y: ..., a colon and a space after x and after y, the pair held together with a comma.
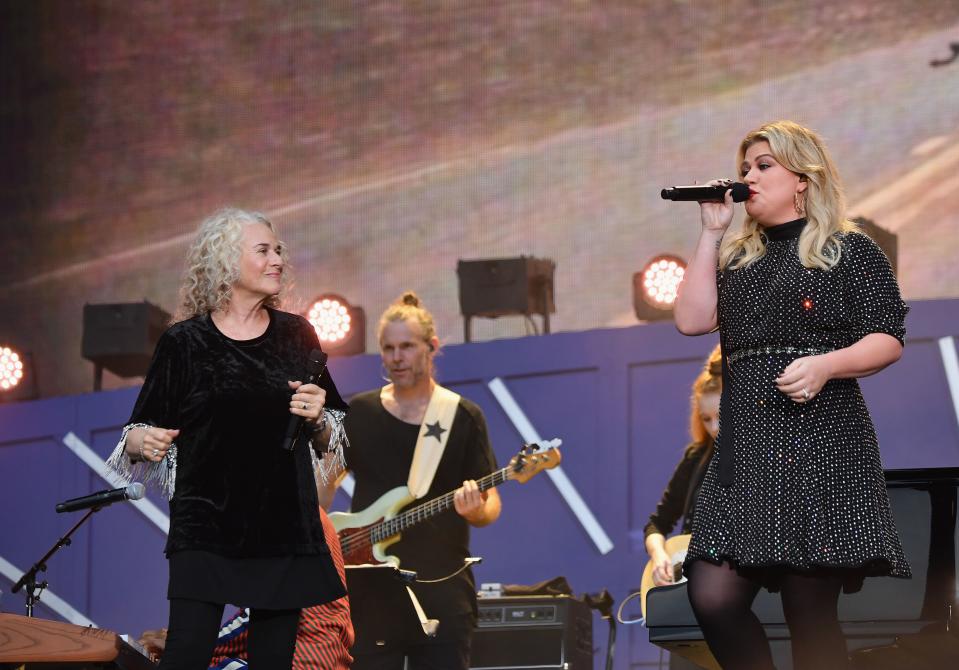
x: 794, y: 499
x: 209, y: 425
x: 213, y: 263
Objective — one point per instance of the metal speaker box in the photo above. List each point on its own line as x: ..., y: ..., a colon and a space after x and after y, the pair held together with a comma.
x: 533, y: 632
x: 505, y: 286
x: 121, y: 337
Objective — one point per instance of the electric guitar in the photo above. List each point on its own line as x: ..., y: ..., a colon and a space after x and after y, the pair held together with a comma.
x: 676, y: 547
x: 365, y: 535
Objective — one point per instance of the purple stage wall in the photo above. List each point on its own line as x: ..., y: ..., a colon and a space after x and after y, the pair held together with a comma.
x: 618, y: 399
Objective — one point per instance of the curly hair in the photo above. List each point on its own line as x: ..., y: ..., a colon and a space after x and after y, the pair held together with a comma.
x: 801, y: 151
x: 710, y: 380
x: 408, y: 306
x: 213, y: 263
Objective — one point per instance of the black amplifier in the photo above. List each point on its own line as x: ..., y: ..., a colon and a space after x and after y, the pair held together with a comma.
x: 527, y: 632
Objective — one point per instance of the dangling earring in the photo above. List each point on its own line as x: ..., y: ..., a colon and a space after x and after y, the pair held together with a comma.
x: 799, y: 203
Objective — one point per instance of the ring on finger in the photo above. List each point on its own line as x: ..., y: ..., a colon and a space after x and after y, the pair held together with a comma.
x: 305, y: 405
x: 156, y: 452
x: 805, y: 394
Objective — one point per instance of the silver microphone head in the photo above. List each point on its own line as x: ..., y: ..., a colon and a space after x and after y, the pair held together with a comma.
x: 135, y: 491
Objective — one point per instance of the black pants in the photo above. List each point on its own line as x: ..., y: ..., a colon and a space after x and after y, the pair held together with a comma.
x: 450, y: 650
x: 193, y: 631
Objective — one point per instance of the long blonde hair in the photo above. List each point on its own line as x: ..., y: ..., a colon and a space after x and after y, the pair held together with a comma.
x: 801, y: 151
x: 710, y: 380
x: 213, y: 263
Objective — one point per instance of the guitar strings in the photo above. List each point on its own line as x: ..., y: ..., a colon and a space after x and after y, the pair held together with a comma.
x: 392, y: 526
x: 387, y: 528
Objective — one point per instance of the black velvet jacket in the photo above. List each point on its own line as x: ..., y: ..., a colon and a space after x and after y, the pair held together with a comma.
x: 238, y: 492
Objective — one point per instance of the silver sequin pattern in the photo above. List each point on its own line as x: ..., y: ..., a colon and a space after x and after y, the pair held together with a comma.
x: 808, y: 490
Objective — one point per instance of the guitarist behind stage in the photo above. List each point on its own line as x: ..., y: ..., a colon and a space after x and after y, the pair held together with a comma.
x: 679, y: 498
x: 448, y: 434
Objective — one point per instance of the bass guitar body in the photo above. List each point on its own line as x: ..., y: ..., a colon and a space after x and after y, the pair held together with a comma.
x: 357, y: 530
x: 364, y: 536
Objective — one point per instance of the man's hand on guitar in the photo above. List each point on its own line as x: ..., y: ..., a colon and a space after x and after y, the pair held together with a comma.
x: 479, y: 508
x: 662, y: 568
x: 468, y: 499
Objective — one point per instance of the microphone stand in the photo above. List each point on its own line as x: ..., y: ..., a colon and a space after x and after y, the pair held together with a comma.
x: 29, y: 578
x: 603, y: 603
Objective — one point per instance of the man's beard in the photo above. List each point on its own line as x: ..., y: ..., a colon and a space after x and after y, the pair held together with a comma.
x: 414, y: 377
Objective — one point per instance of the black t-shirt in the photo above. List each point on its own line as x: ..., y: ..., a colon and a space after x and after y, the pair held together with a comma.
x: 379, y: 456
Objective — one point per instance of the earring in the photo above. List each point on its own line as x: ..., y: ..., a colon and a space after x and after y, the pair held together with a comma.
x: 800, y: 204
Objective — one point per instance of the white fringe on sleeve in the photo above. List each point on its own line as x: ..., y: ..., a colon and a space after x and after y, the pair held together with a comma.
x: 161, y: 475
x: 331, y: 467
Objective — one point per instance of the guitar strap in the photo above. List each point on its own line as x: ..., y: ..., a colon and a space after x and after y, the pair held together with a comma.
x: 433, y: 436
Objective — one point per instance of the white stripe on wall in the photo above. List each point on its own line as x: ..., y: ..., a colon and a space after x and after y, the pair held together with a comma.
x: 947, y: 349
x: 559, y: 478
x: 47, y: 597
x: 95, y: 463
x: 348, y: 484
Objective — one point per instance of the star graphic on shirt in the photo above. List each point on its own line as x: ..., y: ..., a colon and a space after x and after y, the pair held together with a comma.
x: 435, y: 430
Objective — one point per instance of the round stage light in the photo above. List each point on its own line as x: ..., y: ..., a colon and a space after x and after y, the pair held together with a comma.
x: 340, y: 326
x: 331, y: 318
x: 655, y: 287
x: 11, y: 369
x: 661, y: 279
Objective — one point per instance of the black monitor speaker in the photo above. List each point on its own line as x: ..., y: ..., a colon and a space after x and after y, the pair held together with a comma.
x: 526, y: 632
x: 120, y: 337
x: 497, y: 287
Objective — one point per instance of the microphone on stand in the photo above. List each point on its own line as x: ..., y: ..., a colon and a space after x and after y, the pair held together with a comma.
x: 316, y: 367
x: 134, y: 491
x: 705, y: 193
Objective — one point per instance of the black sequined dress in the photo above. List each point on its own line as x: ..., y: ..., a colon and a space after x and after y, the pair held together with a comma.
x: 807, y: 491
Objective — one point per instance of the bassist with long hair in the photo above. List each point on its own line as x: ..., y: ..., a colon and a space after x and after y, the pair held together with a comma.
x: 414, y: 432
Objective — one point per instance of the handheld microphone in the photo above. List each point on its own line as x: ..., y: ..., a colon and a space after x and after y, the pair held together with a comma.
x: 316, y: 367
x: 705, y: 193
x: 134, y: 491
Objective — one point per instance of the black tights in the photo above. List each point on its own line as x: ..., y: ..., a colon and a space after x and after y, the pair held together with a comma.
x: 722, y: 601
x: 194, y: 626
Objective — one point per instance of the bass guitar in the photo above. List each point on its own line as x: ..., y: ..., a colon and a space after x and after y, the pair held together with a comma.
x: 365, y: 535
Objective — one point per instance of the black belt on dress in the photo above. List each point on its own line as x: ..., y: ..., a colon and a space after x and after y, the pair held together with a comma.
x: 740, y: 354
